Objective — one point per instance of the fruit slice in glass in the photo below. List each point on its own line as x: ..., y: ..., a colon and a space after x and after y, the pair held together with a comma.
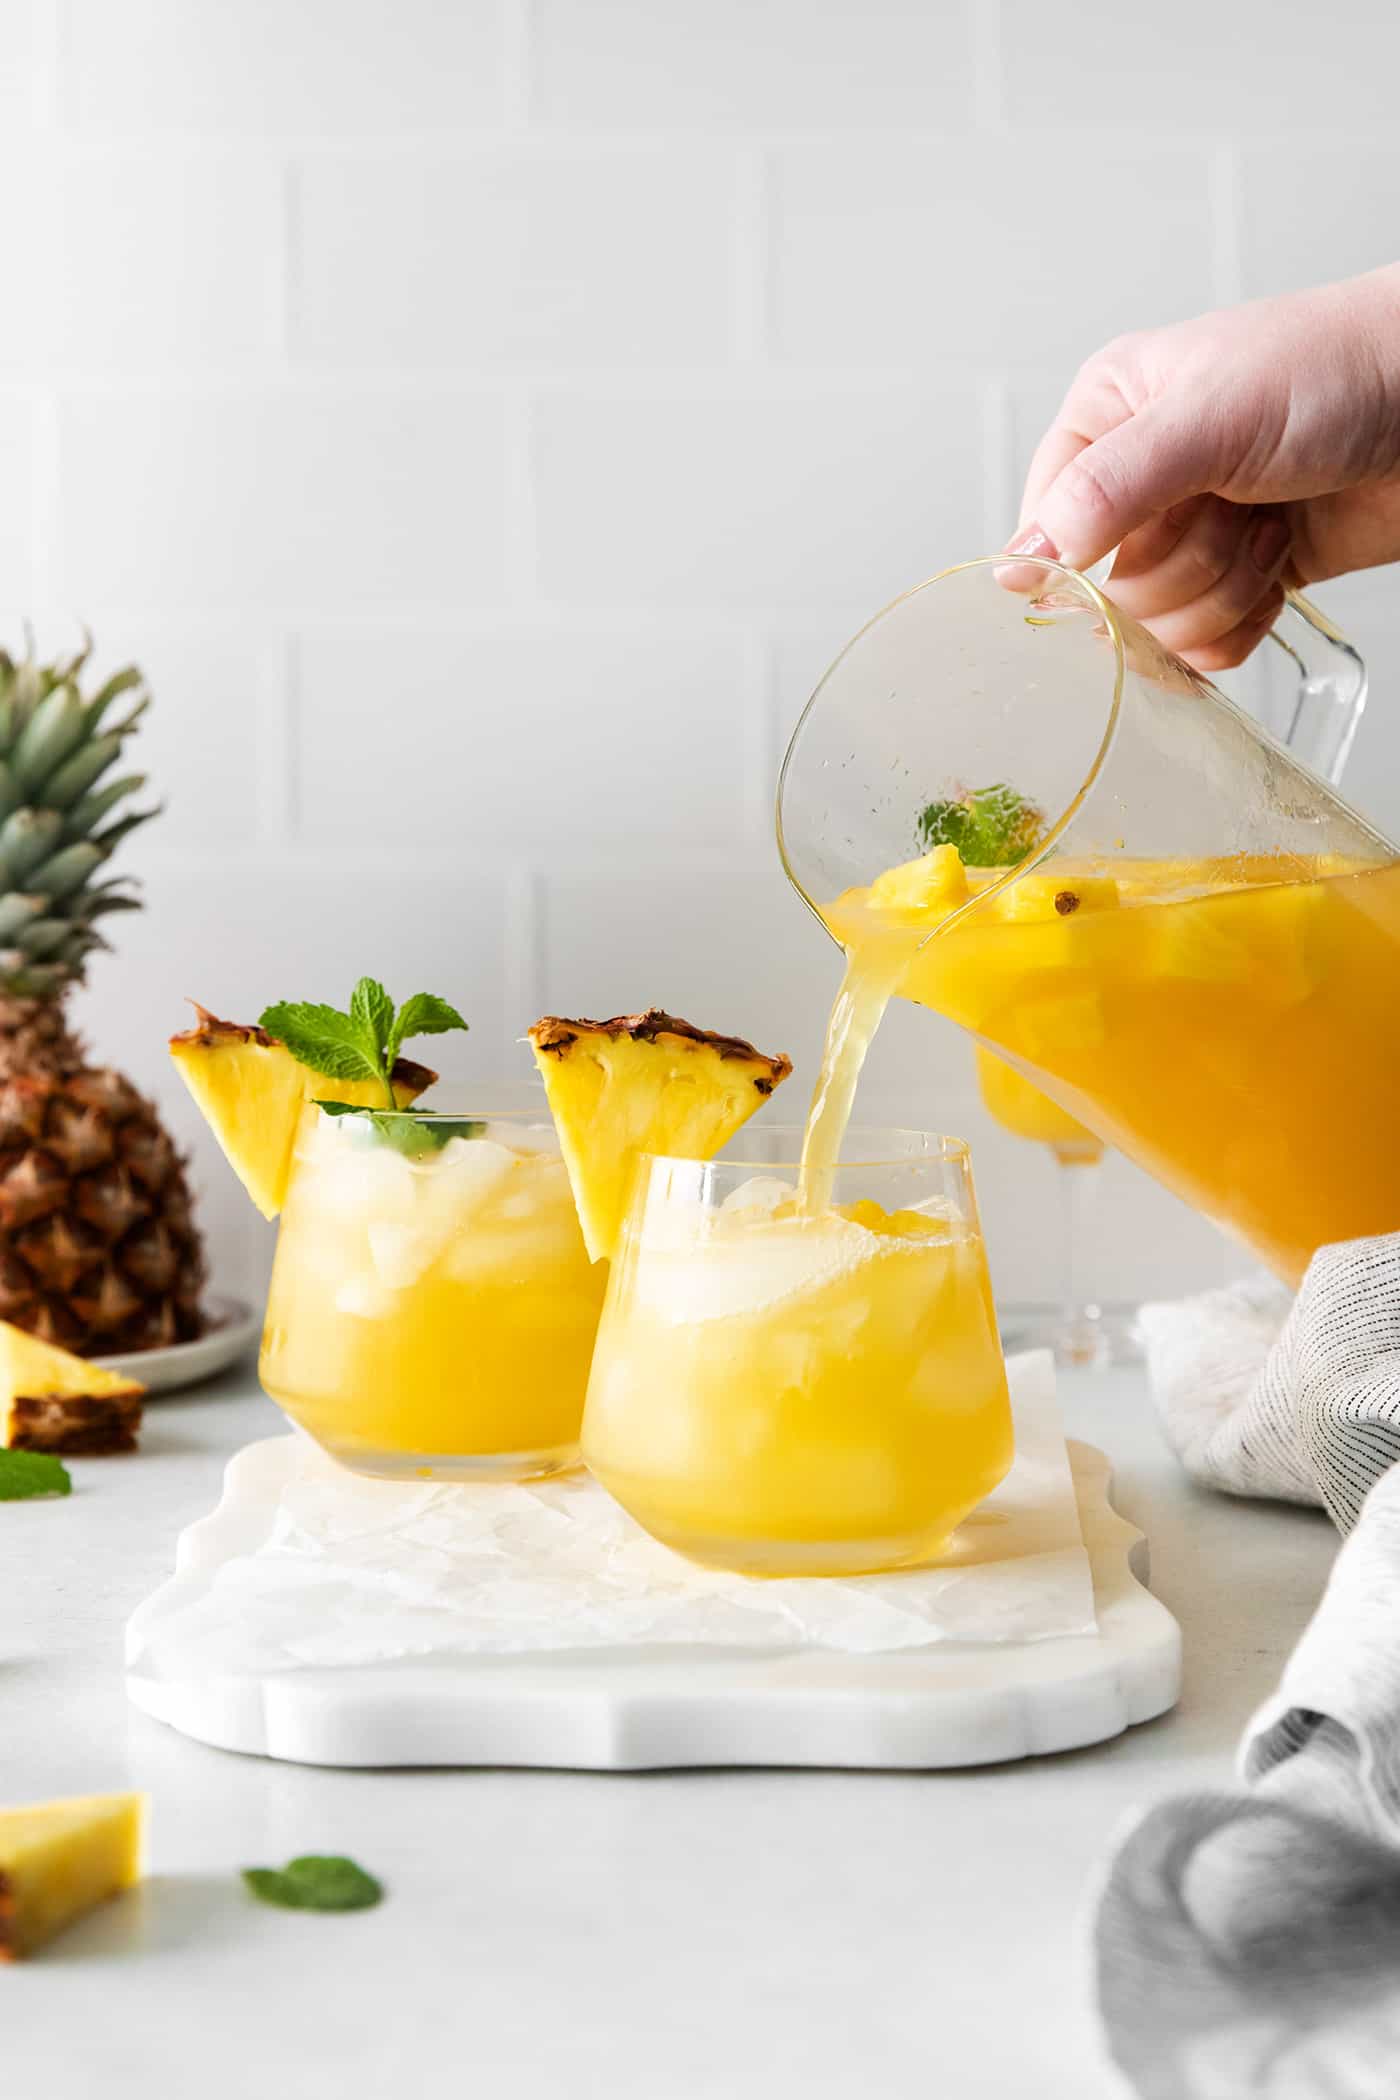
x: 789, y: 1391
x: 432, y: 1308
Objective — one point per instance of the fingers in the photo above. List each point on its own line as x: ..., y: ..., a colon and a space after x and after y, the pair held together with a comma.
x: 1232, y: 648
x: 1112, y: 487
x: 1233, y: 555
x: 1180, y: 560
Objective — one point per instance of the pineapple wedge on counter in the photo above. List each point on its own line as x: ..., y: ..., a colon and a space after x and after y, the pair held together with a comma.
x: 60, y: 1859
x: 642, y: 1083
x: 251, y: 1091
x: 53, y: 1401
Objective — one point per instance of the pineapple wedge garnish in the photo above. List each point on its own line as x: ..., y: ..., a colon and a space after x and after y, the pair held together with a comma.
x: 60, y: 1859
x: 52, y: 1401
x: 251, y: 1091
x: 642, y: 1083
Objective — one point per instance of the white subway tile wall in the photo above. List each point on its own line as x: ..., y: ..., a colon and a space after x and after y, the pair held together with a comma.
x: 486, y: 421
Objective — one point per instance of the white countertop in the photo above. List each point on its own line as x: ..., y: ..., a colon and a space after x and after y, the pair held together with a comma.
x: 696, y: 1936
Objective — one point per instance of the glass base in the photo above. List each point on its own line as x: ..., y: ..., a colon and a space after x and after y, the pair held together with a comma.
x: 1102, y: 1334
x: 422, y: 1465
x: 775, y: 1559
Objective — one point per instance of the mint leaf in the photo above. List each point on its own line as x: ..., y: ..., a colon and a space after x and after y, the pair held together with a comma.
x: 316, y: 1881
x: 25, y: 1474
x: 328, y: 1042
x: 372, y: 1010
x: 992, y: 827
x: 423, y: 1014
x: 414, y: 1133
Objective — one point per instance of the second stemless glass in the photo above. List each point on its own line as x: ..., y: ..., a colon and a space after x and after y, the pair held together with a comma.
x: 432, y: 1309
x: 788, y: 1391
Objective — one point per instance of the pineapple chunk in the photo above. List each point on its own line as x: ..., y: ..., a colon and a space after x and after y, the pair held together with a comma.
x: 60, y: 1859
x: 1048, y: 897
x: 51, y: 1401
x: 930, y: 887
x: 250, y: 1090
x: 642, y: 1083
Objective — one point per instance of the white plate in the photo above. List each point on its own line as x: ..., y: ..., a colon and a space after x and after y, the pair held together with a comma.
x: 233, y: 1328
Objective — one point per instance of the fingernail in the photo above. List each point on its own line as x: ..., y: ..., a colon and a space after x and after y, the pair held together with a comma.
x: 1034, y: 543
x: 1268, y: 543
x: 1033, y: 546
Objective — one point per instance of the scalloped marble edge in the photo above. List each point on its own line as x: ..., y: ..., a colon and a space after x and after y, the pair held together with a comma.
x: 649, y: 1709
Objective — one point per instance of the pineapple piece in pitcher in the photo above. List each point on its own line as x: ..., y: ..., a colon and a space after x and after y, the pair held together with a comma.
x: 643, y: 1082
x: 251, y: 1091
x: 930, y: 887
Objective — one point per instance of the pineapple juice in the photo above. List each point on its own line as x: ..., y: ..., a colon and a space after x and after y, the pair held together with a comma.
x: 431, y: 1314
x: 790, y: 1391
x: 1233, y: 1026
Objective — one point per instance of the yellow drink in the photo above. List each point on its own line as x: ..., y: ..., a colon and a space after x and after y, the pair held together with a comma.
x: 790, y: 1391
x: 1234, y: 1026
x: 432, y: 1315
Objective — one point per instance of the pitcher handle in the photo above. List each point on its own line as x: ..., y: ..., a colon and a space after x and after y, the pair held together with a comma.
x: 1331, y: 686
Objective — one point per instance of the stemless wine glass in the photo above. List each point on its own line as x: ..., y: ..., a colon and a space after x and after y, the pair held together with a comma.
x: 781, y: 1389
x: 432, y: 1309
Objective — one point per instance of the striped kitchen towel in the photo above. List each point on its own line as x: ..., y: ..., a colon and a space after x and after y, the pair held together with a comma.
x: 1248, y: 1942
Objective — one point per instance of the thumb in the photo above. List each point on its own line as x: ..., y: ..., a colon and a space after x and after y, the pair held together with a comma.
x: 1132, y: 473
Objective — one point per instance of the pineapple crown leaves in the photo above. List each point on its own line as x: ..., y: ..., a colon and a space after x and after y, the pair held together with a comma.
x: 60, y: 820
x: 363, y: 1043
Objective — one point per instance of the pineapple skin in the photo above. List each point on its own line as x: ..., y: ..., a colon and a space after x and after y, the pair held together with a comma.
x: 251, y: 1091
x: 98, y: 1247
x: 645, y: 1082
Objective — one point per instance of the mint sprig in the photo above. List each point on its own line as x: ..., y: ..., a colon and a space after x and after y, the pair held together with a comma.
x: 363, y: 1043
x: 992, y: 827
x: 26, y: 1474
x: 316, y: 1881
x: 414, y: 1132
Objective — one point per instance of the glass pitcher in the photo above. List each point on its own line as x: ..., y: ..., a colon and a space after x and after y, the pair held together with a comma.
x: 1197, y: 955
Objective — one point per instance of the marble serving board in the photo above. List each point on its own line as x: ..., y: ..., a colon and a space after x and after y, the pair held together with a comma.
x: 228, y: 1664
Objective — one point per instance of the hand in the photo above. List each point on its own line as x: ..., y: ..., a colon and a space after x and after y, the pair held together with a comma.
x: 1226, y: 458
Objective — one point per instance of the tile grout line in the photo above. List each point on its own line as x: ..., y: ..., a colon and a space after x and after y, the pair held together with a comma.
x: 1227, y: 265
x: 517, y: 36
x: 285, y: 317
x: 751, y: 283
x: 1000, y: 498
x: 279, y: 750
x: 985, y: 37
x: 522, y: 954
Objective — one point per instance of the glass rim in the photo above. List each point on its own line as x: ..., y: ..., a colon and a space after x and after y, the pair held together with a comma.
x: 1112, y: 620
x: 470, y: 1114
x: 939, y: 1148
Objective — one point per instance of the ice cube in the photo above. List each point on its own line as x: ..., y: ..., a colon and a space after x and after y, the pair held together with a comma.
x: 762, y: 1193
x: 730, y: 1274
x: 363, y: 1297
x: 401, y: 1253
x: 472, y: 1168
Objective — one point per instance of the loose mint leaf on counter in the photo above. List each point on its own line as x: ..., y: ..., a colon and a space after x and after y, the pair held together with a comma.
x: 992, y: 827
x: 27, y: 1474
x: 316, y: 1881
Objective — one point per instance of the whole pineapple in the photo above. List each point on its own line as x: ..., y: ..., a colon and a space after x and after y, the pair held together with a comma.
x: 98, y: 1248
